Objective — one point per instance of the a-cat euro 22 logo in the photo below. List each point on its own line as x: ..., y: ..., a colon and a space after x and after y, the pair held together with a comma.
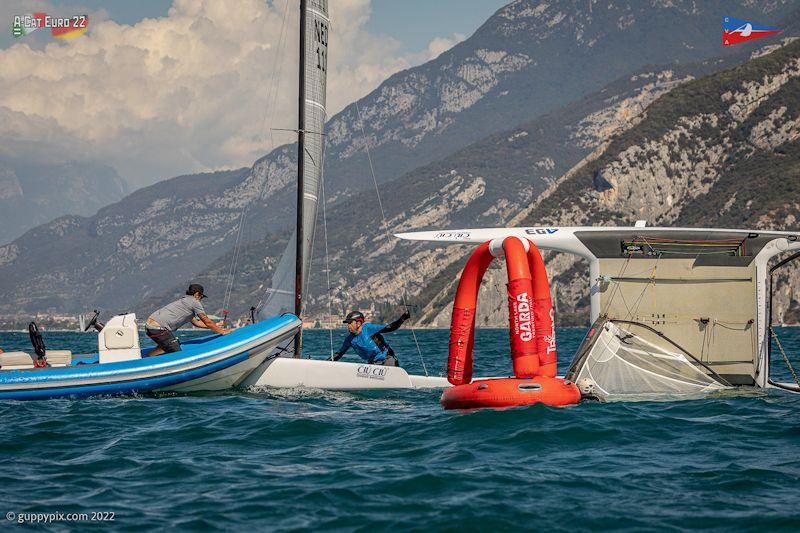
x: 60, y: 27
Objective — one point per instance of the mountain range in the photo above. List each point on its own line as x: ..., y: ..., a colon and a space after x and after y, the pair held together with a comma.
x: 33, y: 193
x: 719, y: 151
x: 479, y: 136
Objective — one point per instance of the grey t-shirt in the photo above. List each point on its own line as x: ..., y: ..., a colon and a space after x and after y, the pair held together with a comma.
x: 178, y: 313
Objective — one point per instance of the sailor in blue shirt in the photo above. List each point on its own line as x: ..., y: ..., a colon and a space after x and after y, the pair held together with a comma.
x: 367, y: 339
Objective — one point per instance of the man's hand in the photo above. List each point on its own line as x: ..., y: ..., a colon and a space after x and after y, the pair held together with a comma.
x: 210, y: 324
x: 336, y: 356
x: 405, y: 316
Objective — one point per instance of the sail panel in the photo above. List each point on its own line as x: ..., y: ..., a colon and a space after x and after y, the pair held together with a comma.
x: 627, y: 362
x: 281, y: 294
x: 316, y: 64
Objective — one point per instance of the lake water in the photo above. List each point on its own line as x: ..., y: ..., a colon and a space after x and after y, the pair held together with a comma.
x: 296, y: 460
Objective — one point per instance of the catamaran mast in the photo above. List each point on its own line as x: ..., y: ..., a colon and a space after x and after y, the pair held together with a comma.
x: 301, y: 139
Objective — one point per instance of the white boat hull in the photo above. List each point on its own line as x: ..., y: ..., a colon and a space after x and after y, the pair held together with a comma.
x: 285, y: 372
x: 227, y: 378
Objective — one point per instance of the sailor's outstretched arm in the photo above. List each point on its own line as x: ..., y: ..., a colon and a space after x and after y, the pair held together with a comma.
x: 345, y: 346
x: 396, y: 324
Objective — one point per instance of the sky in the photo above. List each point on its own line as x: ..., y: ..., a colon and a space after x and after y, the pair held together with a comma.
x: 159, y: 88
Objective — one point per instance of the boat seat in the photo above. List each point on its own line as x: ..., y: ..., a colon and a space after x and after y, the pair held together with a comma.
x: 21, y: 360
x: 10, y: 360
x: 59, y: 357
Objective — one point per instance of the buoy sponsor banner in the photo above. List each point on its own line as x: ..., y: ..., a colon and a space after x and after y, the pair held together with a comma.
x: 522, y: 328
x: 735, y: 31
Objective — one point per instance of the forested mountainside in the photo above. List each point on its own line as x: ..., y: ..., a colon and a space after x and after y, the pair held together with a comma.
x: 720, y: 151
x: 153, y: 240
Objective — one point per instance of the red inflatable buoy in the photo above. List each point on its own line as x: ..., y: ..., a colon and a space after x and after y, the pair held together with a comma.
x: 511, y: 392
x: 531, y: 334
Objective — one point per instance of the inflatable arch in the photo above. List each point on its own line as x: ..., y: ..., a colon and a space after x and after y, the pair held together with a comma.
x: 531, y: 330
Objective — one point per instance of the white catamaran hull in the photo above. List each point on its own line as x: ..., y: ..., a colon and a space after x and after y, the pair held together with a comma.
x: 286, y: 372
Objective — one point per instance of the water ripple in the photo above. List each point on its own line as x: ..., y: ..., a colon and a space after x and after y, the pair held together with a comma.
x: 302, y: 459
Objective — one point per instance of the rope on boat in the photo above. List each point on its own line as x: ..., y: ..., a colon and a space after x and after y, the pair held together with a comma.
x: 785, y: 357
x: 383, y: 216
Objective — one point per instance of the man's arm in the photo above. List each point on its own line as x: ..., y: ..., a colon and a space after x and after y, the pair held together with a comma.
x: 396, y: 324
x: 210, y: 324
x: 199, y: 323
x: 345, y: 346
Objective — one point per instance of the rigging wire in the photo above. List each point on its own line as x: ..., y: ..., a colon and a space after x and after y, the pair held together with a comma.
x: 383, y: 217
x: 785, y: 357
x: 369, y: 158
x: 234, y: 263
x: 321, y: 195
x: 325, y: 238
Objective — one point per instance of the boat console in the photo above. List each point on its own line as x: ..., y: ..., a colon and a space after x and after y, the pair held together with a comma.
x: 119, y: 339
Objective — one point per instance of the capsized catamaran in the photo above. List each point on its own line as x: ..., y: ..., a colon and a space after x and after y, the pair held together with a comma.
x: 287, y: 368
x: 675, y: 311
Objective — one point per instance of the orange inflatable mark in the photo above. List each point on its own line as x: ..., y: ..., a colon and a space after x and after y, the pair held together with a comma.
x: 521, y: 328
x: 511, y: 392
x: 531, y: 332
x: 462, y: 324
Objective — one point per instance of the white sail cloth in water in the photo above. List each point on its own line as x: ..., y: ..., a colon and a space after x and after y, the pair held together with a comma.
x: 626, y: 362
x: 280, y: 297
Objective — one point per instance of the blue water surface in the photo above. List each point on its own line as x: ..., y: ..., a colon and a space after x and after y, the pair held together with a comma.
x: 300, y: 459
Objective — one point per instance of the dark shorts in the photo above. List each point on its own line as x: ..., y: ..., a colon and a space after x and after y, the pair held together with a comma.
x: 391, y: 359
x: 164, y: 339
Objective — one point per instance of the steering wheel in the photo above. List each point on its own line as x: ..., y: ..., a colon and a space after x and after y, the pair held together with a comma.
x: 93, y: 322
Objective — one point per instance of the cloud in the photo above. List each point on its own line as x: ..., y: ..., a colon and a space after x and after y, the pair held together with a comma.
x: 442, y: 44
x: 196, y: 90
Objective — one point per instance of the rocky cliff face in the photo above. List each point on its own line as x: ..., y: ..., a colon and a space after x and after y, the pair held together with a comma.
x: 487, y: 183
x: 720, y: 151
x: 530, y: 58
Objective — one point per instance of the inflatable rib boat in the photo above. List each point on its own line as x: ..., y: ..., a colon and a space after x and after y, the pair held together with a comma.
x: 210, y: 363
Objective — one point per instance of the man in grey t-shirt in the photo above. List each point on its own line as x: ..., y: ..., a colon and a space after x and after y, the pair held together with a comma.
x: 162, y: 324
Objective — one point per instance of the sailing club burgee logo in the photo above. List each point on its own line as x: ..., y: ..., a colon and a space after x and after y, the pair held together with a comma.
x: 735, y: 31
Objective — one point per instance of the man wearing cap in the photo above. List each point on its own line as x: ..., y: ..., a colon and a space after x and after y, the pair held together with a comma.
x: 367, y: 339
x: 162, y: 324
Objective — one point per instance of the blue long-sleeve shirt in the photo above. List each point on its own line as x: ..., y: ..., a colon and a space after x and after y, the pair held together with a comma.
x: 364, y: 345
